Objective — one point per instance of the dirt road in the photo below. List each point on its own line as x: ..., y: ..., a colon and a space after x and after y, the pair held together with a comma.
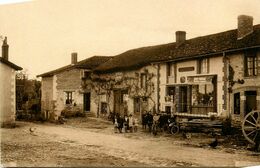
x: 70, y: 145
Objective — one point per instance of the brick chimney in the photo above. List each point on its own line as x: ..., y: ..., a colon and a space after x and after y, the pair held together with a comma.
x: 74, y: 58
x: 244, y: 26
x: 5, y: 48
x: 180, y: 36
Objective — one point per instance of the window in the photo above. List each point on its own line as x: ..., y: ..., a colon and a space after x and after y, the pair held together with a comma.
x: 237, y: 103
x: 68, y: 97
x: 168, y: 69
x: 203, y: 94
x: 252, y: 63
x: 203, y: 66
x: 103, y: 108
x: 168, y: 109
x: 143, y: 81
x: 87, y: 74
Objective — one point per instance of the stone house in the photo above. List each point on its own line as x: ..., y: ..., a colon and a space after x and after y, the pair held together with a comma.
x: 216, y: 74
x: 62, y: 88
x: 128, y: 83
x: 7, y: 87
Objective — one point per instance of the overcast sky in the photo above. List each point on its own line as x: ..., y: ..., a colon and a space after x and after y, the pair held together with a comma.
x: 42, y: 34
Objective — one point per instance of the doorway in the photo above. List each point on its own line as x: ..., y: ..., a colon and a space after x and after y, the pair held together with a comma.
x: 137, y: 105
x: 119, y: 101
x: 183, y: 99
x: 86, y: 102
x: 250, y: 103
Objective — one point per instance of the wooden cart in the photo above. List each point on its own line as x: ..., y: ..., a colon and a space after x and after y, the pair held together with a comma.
x: 250, y: 125
x: 195, y: 121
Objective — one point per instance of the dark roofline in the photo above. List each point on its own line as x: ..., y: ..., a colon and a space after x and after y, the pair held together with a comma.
x: 10, y: 64
x: 51, y: 73
x: 78, y: 65
x: 171, y: 52
x: 205, y: 55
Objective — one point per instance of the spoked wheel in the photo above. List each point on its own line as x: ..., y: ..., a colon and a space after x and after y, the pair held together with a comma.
x: 251, y: 126
x: 175, y: 129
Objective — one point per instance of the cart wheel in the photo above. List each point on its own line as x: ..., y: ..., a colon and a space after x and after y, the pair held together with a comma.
x: 251, y: 126
x: 175, y: 129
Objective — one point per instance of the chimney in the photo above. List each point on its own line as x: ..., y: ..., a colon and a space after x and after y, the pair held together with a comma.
x: 74, y: 58
x: 180, y: 36
x: 5, y: 48
x: 244, y: 26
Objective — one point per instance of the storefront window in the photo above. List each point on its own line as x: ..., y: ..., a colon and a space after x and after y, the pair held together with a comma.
x: 202, y: 94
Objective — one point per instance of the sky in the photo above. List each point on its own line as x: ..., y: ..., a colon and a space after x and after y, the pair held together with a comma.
x: 42, y: 34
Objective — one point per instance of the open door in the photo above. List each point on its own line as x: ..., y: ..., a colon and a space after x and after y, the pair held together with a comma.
x: 250, y: 101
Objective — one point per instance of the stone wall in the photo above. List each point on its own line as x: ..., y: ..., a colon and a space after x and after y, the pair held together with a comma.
x: 7, y: 100
x: 68, y: 81
x: 47, y: 101
x: 250, y: 84
x: 54, y: 92
x: 130, y: 81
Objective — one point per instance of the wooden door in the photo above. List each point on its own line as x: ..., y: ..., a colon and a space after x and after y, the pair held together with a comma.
x: 250, y: 103
x: 86, y: 102
x: 137, y: 105
x: 117, y: 101
x: 183, y: 99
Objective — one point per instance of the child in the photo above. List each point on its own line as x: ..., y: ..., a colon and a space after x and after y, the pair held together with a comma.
x: 135, y: 124
x: 115, y: 125
x: 131, y: 122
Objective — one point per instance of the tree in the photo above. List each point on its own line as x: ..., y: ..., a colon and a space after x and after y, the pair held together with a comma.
x: 28, y: 93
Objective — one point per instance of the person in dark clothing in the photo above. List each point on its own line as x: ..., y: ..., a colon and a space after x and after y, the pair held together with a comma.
x: 149, y: 121
x: 120, y: 122
x: 144, y: 120
x: 126, y: 123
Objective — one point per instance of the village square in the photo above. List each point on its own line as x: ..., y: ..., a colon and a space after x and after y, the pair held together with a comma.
x: 189, y: 102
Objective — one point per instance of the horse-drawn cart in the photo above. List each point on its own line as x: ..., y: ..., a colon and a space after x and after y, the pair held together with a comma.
x: 196, y: 122
x: 250, y: 125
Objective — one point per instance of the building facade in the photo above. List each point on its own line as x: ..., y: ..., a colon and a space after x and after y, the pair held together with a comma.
x: 62, y: 88
x: 217, y: 74
x: 126, y: 92
x: 7, y: 87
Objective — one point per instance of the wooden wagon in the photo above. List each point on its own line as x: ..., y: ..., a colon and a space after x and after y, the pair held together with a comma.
x: 250, y: 125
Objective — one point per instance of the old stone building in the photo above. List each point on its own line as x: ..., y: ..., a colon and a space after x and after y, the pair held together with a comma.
x: 7, y: 87
x: 62, y: 88
x: 216, y: 74
x: 126, y: 88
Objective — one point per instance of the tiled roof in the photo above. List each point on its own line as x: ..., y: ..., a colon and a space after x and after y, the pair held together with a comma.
x: 10, y: 64
x: 196, y: 47
x: 89, y: 63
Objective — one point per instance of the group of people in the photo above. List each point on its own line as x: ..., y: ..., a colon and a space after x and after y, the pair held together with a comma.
x: 128, y: 123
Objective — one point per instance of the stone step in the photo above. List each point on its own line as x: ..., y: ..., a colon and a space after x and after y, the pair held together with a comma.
x: 89, y: 114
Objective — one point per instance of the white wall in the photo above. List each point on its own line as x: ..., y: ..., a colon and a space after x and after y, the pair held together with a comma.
x: 7, y: 90
x: 215, y: 68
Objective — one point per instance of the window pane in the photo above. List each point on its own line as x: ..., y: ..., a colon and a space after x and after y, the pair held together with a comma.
x: 203, y: 94
x: 203, y: 66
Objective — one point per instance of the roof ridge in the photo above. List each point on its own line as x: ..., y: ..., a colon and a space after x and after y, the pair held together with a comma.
x: 76, y: 65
